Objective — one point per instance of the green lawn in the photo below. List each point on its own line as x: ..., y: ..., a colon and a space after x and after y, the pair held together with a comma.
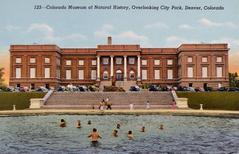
x: 21, y: 100
x: 212, y: 100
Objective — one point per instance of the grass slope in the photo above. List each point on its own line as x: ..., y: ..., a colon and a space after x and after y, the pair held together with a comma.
x: 21, y: 100
x: 212, y: 100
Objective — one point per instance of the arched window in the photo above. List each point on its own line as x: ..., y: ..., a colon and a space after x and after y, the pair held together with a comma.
x: 118, y: 71
x: 131, y: 74
x: 105, y: 75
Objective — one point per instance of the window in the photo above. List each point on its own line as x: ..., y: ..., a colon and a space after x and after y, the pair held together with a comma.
x: 144, y: 75
x: 32, y: 60
x: 18, y: 73
x: 169, y: 62
x: 58, y: 61
x: 156, y: 74
x: 18, y: 60
x: 190, y: 59
x: 219, y: 59
x: 204, y: 72
x: 68, y: 62
x: 204, y: 59
x: 131, y: 74
x: 81, y: 74
x: 32, y: 72
x: 81, y: 62
x: 58, y: 73
x: 93, y: 74
x: 105, y: 61
x: 118, y: 61
x: 93, y: 62
x: 47, y: 72
x: 144, y: 62
x: 156, y: 62
x: 68, y: 74
x: 47, y: 61
x: 219, y: 71
x: 170, y: 74
x: 105, y: 75
x: 131, y: 60
x: 190, y: 72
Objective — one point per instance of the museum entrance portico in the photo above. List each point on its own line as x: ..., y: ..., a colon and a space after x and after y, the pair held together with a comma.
x: 119, y: 67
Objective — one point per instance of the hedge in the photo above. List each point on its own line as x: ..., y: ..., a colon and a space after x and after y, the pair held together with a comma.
x: 212, y: 100
x: 20, y: 99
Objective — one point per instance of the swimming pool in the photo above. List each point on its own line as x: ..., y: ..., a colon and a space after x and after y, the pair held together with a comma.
x: 181, y: 134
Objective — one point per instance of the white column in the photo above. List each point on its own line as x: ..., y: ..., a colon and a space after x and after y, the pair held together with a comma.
x: 98, y: 68
x: 139, y: 71
x: 111, y: 66
x: 125, y: 68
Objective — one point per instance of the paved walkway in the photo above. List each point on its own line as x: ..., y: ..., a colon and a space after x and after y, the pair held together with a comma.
x: 174, y: 112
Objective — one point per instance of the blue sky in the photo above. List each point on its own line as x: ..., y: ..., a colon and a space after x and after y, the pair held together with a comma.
x: 21, y: 24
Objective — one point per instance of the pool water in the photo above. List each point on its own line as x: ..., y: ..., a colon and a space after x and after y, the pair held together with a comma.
x: 181, y: 134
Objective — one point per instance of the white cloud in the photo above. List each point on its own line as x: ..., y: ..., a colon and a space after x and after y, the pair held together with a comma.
x: 49, y: 34
x: 232, y: 42
x: 40, y: 27
x: 104, y: 31
x: 127, y: 37
x: 131, y: 35
x: 11, y: 28
x: 177, y: 40
x: 185, y: 27
x: 156, y: 25
x: 208, y: 23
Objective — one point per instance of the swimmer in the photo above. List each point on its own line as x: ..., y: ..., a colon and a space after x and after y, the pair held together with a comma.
x: 118, y: 126
x: 78, y: 124
x: 94, y: 136
x: 62, y: 123
x: 89, y: 122
x: 115, y: 133
x: 142, y: 129
x: 161, y: 127
x: 130, y: 135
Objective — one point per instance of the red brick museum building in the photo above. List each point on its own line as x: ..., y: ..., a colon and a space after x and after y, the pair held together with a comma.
x: 194, y: 65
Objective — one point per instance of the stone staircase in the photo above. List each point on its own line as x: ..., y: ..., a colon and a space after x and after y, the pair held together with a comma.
x: 125, y: 84
x: 119, y: 100
x: 104, y: 83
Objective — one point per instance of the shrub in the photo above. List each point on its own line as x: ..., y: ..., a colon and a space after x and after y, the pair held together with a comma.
x: 113, y: 89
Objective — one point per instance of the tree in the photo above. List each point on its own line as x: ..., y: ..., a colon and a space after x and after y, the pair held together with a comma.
x: 233, y: 80
x: 1, y: 76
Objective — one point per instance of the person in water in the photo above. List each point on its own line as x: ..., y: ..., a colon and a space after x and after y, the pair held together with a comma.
x: 161, y: 127
x: 89, y: 122
x: 78, y: 124
x: 62, y: 123
x: 94, y: 135
x: 142, y: 129
x: 115, y: 133
x: 130, y: 135
x: 118, y: 126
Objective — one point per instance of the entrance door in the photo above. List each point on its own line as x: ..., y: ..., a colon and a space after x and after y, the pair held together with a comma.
x: 47, y: 86
x: 205, y: 86
x: 119, y: 75
x: 32, y: 86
